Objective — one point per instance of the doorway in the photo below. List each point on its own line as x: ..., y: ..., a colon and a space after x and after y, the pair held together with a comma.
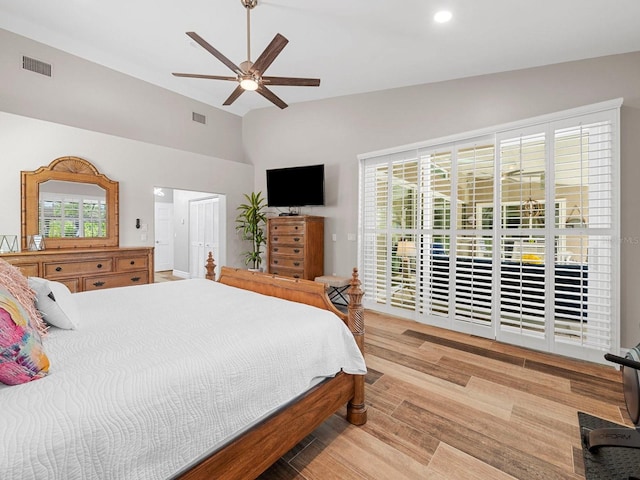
x: 188, y: 224
x: 163, y: 253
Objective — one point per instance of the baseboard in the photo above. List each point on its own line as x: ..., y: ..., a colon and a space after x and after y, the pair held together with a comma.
x: 181, y: 274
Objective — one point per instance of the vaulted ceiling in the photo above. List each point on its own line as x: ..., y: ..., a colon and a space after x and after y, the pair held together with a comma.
x: 353, y: 46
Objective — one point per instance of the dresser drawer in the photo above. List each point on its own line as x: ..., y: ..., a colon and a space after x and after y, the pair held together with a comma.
x: 64, y: 269
x: 116, y: 280
x: 287, y: 250
x: 287, y: 272
x: 287, y: 262
x: 281, y: 239
x: 287, y: 228
x: 71, y: 283
x: 29, y: 269
x: 127, y: 264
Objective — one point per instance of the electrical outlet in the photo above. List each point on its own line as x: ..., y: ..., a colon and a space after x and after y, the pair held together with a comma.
x: 334, y: 237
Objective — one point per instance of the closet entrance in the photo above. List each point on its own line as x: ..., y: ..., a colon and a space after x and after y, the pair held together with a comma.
x: 188, y: 225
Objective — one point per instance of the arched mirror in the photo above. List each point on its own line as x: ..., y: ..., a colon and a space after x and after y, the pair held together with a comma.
x: 69, y: 204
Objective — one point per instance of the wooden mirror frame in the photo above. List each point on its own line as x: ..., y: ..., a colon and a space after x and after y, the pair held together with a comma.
x: 68, y: 169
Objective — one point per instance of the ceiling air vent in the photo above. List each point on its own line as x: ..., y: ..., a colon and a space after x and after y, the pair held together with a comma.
x: 36, y: 66
x: 198, y: 117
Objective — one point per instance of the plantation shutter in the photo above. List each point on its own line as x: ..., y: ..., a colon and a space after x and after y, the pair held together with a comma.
x: 390, y: 243
x: 521, y: 217
x: 375, y: 211
x: 585, y: 285
x: 473, y: 281
x: 510, y: 235
x: 435, y: 213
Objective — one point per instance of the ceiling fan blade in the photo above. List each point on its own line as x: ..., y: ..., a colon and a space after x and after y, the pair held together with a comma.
x: 203, y: 43
x: 291, y: 81
x: 234, y: 95
x: 272, y: 97
x: 270, y: 53
x: 210, y: 77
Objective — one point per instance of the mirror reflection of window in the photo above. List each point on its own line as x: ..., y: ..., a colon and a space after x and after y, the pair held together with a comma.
x: 72, y: 209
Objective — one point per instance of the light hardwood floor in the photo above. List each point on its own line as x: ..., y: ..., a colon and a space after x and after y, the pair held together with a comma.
x: 165, y: 276
x: 444, y: 405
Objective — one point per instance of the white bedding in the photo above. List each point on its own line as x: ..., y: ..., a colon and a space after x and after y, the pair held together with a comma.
x: 155, y: 375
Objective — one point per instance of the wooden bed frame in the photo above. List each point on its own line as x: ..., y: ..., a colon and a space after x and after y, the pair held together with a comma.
x: 247, y: 456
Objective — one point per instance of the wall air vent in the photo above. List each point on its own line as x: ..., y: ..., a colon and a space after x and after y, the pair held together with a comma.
x: 198, y: 117
x: 36, y: 66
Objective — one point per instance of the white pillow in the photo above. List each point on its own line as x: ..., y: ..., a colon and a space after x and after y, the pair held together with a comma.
x: 56, y: 303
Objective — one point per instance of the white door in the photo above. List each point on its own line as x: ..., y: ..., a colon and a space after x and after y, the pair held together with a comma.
x: 163, y: 254
x: 203, y: 234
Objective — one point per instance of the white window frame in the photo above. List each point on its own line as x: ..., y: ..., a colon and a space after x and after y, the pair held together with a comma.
x: 587, y: 352
x: 64, y: 198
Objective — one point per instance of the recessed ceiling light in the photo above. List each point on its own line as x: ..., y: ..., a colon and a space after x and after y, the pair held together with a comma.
x: 443, y: 16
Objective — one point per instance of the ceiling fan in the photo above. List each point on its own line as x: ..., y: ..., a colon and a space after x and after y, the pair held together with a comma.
x: 516, y: 176
x: 250, y: 75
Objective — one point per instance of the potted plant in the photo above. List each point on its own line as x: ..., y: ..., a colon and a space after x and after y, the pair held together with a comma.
x: 250, y: 223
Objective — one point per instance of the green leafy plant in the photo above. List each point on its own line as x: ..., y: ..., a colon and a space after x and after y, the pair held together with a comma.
x: 250, y: 224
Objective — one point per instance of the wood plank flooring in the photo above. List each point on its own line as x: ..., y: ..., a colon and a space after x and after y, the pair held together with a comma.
x: 445, y: 405
x: 165, y: 276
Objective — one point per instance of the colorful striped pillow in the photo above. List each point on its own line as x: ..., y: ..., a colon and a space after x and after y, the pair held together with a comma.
x: 12, y: 280
x: 22, y: 357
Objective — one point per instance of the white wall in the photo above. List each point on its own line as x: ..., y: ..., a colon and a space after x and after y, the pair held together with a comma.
x: 335, y: 131
x: 27, y: 144
x: 87, y: 95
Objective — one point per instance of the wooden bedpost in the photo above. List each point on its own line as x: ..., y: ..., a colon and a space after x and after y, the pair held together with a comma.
x: 211, y: 268
x: 356, y: 409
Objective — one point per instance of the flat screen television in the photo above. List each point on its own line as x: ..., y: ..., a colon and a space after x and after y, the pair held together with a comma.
x: 295, y: 186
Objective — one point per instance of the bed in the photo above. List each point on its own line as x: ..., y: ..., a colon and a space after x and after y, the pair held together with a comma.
x: 192, y: 379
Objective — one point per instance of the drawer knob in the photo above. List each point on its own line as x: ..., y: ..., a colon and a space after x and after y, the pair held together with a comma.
x: 133, y: 262
x: 296, y: 264
x: 99, y: 265
x: 275, y: 261
x: 296, y: 250
x: 98, y: 284
x: 58, y: 269
x: 296, y: 227
x: 275, y: 239
x: 275, y: 249
x: 135, y: 279
x: 296, y: 239
x: 296, y: 276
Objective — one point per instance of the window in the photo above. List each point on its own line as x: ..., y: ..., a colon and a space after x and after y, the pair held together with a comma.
x: 63, y: 216
x: 459, y: 233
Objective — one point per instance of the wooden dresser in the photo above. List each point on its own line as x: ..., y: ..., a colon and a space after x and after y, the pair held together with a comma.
x: 295, y: 246
x: 88, y: 268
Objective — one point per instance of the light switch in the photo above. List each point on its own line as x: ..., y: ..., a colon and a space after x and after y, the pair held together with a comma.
x: 334, y: 237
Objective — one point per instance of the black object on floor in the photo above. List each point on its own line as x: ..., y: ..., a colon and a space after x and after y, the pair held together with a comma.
x: 608, y: 463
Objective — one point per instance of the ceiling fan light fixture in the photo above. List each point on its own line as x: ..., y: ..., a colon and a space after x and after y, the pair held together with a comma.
x: 443, y: 16
x: 248, y: 82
